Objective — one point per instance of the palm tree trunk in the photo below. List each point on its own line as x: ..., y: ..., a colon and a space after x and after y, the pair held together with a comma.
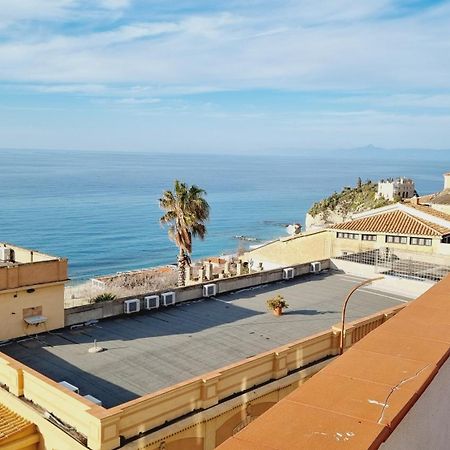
x: 181, y: 269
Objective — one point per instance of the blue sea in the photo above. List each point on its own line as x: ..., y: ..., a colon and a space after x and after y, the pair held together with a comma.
x: 100, y: 209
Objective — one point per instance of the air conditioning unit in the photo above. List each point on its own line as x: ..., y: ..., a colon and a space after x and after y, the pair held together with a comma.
x: 209, y: 290
x: 315, y: 267
x: 168, y: 298
x: 131, y: 306
x: 288, y: 273
x: 151, y: 302
x: 6, y: 254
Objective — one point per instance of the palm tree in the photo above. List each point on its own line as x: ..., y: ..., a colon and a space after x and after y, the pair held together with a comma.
x: 185, y: 211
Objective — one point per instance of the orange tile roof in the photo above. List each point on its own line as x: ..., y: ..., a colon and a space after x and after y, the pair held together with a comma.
x: 443, y: 198
x: 11, y: 425
x: 358, y: 399
x: 430, y: 210
x: 395, y: 222
x: 424, y: 198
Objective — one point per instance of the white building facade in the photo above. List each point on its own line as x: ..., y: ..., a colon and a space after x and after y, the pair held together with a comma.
x: 391, y: 189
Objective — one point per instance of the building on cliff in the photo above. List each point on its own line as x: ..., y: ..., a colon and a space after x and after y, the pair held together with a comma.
x: 398, y: 188
x: 415, y: 229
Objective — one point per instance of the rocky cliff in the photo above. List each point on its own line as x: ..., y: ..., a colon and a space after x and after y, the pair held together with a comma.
x: 340, y: 206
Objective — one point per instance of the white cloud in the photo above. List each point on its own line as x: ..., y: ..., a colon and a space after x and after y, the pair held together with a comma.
x: 236, y: 51
x: 431, y: 101
x: 115, y: 4
x: 15, y: 11
x: 371, y: 56
x: 138, y: 101
x: 69, y: 88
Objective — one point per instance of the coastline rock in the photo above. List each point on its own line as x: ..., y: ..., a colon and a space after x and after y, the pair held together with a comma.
x: 325, y: 219
x: 341, y: 206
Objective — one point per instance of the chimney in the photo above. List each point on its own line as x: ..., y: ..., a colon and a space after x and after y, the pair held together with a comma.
x: 447, y: 180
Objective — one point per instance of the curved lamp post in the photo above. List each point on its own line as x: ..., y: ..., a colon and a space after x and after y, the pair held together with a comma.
x: 344, y: 307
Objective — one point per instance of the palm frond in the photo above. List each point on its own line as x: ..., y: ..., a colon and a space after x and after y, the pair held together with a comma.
x: 186, y: 210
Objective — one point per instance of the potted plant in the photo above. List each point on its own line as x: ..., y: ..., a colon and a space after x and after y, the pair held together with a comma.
x: 276, y: 304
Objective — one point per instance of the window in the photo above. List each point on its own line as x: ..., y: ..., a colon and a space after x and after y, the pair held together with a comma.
x: 396, y: 239
x: 446, y: 239
x: 342, y: 235
x: 369, y: 237
x: 31, y: 312
x: 421, y: 241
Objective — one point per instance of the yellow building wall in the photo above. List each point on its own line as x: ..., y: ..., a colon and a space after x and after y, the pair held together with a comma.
x: 46, y: 300
x: 340, y: 245
x: 51, y: 437
x: 293, y: 250
x: 30, y: 274
x: 208, y: 432
x: 24, y: 255
x: 442, y: 208
x: 324, y: 244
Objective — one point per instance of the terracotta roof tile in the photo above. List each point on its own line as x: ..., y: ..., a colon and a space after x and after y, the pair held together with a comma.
x: 424, y: 198
x: 12, y: 424
x: 409, y: 347
x: 417, y: 328
x: 395, y: 222
x: 240, y: 444
x: 429, y: 210
x: 443, y: 198
x: 375, y: 367
x: 358, y: 399
x: 288, y: 426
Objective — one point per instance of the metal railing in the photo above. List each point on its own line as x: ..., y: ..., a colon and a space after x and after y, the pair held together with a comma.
x: 388, y: 262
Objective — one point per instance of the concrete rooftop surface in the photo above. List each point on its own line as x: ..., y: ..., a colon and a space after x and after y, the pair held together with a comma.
x: 152, y: 350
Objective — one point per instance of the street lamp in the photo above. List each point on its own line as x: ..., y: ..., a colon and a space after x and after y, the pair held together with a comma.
x: 344, y: 307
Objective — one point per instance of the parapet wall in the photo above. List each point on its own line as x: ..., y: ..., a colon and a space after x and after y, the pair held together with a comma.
x: 105, y: 429
x: 25, y: 255
x: 33, y: 273
x: 97, y: 311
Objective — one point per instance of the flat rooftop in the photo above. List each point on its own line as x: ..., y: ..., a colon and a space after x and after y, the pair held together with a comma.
x: 152, y: 350
x: 21, y: 255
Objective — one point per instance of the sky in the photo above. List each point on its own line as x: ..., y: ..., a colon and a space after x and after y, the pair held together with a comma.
x: 224, y: 75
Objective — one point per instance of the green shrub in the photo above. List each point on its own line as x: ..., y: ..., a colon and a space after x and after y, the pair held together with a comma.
x: 105, y: 297
x: 276, y: 302
x: 358, y: 199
